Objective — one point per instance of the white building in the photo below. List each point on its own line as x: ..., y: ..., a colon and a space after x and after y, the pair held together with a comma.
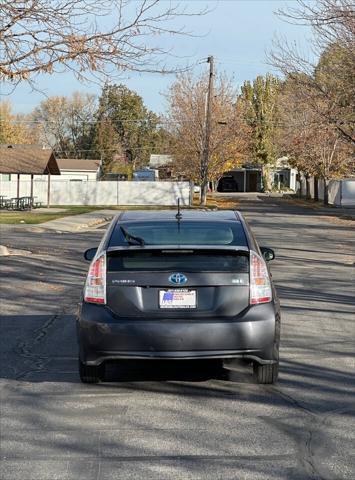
x: 77, y: 170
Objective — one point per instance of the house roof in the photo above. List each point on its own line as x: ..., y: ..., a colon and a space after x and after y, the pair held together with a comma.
x: 156, y: 160
x: 78, y: 164
x: 27, y: 159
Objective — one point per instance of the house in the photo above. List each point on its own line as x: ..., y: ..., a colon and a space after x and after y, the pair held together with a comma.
x: 78, y: 170
x: 283, y: 175
x: 157, y: 161
x: 245, y: 179
x: 163, y: 164
x: 71, y: 169
x: 24, y: 163
x: 249, y: 178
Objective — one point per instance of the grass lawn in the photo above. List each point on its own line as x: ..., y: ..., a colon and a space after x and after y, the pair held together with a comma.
x: 41, y: 216
x: 36, y: 216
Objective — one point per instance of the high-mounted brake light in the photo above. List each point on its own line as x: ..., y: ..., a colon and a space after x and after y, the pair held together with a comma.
x: 95, y: 287
x: 260, y: 286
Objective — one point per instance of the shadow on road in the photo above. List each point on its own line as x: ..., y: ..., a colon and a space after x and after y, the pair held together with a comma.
x: 196, y: 419
x: 41, y: 349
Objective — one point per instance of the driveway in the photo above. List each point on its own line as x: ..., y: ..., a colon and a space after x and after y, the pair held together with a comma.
x: 182, y: 420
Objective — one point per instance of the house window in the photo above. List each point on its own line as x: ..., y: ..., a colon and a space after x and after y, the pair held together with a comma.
x: 6, y: 177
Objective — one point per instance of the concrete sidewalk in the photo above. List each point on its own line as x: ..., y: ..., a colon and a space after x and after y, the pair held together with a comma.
x: 75, y: 223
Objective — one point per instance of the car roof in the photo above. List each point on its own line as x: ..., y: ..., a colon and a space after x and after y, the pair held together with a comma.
x: 170, y: 215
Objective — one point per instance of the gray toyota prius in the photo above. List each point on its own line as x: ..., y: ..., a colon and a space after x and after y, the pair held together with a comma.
x: 187, y: 285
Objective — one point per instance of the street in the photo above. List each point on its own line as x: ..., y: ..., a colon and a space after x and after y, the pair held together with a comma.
x: 181, y: 420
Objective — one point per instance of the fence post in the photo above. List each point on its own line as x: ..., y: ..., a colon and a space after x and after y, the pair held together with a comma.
x: 191, y: 193
x: 49, y: 190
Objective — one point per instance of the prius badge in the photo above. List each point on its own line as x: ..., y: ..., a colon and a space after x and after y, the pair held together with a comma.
x: 178, y: 279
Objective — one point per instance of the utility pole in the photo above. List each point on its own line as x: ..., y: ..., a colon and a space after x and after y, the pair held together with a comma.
x: 206, y: 147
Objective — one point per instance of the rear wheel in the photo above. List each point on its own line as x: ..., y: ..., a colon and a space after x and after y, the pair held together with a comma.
x: 91, y: 373
x: 266, y: 373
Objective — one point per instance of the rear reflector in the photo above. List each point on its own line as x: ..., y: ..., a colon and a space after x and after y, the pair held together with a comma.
x: 95, y: 287
x: 260, y: 286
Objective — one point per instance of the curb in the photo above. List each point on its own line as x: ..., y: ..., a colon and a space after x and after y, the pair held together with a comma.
x: 94, y: 223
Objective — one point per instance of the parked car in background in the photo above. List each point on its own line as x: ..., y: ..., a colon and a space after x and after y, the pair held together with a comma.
x: 227, y: 184
x: 194, y: 285
x: 146, y: 175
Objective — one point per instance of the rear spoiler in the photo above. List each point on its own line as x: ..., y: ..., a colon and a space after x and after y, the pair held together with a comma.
x: 166, y: 248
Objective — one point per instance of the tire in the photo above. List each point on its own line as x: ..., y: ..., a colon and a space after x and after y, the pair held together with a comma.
x: 266, y: 373
x: 90, y: 373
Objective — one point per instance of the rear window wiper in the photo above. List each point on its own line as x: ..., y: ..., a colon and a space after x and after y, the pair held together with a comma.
x: 131, y: 239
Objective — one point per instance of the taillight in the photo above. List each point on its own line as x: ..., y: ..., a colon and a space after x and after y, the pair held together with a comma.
x: 260, y: 286
x: 95, y: 287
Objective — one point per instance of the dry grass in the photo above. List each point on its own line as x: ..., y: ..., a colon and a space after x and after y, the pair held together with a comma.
x: 223, y: 203
x: 336, y: 217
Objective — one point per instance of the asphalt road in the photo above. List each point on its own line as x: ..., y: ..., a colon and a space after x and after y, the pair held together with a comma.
x: 181, y: 421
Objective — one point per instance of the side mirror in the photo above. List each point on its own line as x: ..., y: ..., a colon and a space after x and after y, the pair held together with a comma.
x: 267, y: 253
x: 90, y: 254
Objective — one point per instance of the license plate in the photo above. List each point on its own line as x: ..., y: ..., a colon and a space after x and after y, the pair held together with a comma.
x: 178, y: 298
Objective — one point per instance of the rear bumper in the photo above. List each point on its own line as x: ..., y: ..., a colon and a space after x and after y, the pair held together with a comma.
x: 103, y: 336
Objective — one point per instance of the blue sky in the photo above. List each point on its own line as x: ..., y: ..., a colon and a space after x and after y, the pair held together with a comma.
x: 236, y: 32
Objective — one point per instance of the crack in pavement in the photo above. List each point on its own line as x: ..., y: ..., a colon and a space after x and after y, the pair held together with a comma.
x: 24, y: 348
x: 311, y: 458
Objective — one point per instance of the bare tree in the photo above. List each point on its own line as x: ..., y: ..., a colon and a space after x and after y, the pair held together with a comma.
x: 186, y: 124
x: 104, y: 37
x: 332, y: 21
x: 328, y: 82
x: 66, y: 123
x: 314, y: 146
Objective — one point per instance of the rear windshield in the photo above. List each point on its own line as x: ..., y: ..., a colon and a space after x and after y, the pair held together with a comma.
x: 186, y: 261
x: 187, y: 233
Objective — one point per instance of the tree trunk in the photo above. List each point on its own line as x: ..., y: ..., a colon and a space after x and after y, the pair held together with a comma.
x: 300, y: 191
x: 204, y: 189
x: 326, y: 191
x: 266, y: 178
x: 316, y: 193
x: 308, y: 187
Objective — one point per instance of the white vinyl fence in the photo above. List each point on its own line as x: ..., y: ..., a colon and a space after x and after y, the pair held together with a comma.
x: 92, y: 192
x: 341, y: 192
x: 347, y: 193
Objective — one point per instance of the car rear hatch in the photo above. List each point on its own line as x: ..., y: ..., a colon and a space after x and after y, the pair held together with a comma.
x: 168, y: 282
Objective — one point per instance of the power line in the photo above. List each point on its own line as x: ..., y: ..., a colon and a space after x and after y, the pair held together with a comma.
x: 93, y: 122
x: 108, y: 149
x: 169, y: 122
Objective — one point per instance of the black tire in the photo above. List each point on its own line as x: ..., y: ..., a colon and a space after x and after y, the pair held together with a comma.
x: 90, y: 373
x: 266, y: 373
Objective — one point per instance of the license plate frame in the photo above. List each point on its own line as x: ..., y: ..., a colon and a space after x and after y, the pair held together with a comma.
x: 177, y: 299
